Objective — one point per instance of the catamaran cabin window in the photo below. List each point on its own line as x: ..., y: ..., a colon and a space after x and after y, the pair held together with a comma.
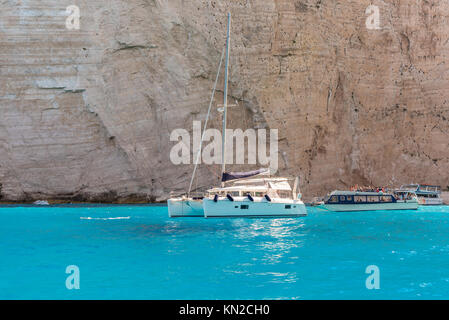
x: 342, y: 198
x: 333, y: 199
x: 285, y: 194
x: 385, y: 198
x: 235, y: 193
x: 273, y: 194
x: 373, y: 198
x: 360, y: 199
x: 259, y: 194
x: 349, y: 198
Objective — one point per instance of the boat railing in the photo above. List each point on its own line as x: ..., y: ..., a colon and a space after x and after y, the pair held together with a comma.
x: 430, y: 189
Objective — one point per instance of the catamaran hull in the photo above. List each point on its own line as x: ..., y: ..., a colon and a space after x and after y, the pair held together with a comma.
x: 185, y: 208
x: 227, y: 208
x: 371, y: 207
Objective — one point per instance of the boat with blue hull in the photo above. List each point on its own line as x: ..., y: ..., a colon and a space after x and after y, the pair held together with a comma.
x: 341, y: 201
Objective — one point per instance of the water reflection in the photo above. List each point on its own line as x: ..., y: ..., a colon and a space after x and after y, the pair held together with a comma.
x: 256, y: 248
x: 278, y: 277
x: 269, y: 243
x: 275, y: 228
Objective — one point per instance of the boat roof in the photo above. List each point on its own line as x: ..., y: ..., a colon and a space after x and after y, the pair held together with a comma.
x: 404, y: 191
x: 357, y: 193
x: 421, y: 188
x: 416, y: 185
x: 258, y: 180
x: 274, y: 185
x: 240, y: 188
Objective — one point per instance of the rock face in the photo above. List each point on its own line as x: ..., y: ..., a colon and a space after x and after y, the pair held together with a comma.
x: 87, y: 114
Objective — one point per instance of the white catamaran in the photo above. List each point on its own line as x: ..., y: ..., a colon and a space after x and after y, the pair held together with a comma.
x: 254, y: 197
x: 250, y: 194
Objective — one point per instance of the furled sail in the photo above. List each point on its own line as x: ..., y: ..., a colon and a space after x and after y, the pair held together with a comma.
x: 227, y: 176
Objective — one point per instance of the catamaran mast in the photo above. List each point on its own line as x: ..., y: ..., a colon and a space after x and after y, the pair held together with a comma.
x: 205, y: 125
x: 225, y: 100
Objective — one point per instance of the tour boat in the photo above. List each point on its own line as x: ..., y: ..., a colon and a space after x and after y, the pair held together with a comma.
x: 427, y: 194
x: 342, y: 201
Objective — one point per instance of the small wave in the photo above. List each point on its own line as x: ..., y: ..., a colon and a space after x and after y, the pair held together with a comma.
x: 425, y: 284
x: 112, y: 218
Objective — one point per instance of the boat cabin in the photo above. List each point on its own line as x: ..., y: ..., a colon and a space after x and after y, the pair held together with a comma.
x: 423, y: 190
x: 347, y: 197
x: 256, y: 188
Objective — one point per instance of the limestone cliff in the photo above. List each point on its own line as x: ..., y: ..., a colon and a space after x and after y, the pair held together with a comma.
x: 87, y: 114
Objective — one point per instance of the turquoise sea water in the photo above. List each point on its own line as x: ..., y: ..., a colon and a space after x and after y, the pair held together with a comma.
x: 137, y: 252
